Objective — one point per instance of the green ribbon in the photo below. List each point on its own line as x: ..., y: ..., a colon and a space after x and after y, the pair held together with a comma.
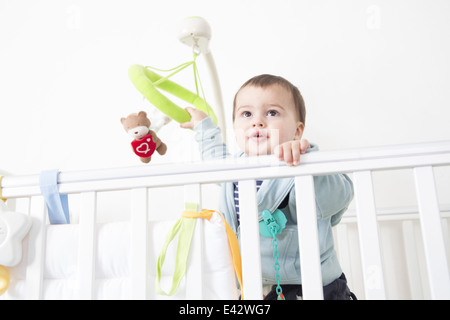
x: 185, y: 228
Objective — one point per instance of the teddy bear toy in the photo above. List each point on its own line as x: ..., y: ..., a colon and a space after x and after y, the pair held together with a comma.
x: 145, y: 140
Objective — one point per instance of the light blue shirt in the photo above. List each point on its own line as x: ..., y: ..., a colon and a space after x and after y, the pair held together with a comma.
x: 333, y: 195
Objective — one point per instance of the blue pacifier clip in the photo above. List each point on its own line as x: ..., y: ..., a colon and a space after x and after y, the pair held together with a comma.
x: 272, y: 225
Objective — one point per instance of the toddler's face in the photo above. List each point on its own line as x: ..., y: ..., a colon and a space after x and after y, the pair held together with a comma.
x: 265, y: 118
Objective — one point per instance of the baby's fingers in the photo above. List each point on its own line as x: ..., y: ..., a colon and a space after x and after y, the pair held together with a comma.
x: 304, y: 145
x: 187, y: 125
x: 196, y: 116
x: 296, y: 150
x: 289, y: 152
x: 288, y: 156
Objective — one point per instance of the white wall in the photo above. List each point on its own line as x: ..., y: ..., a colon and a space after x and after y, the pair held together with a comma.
x: 372, y: 72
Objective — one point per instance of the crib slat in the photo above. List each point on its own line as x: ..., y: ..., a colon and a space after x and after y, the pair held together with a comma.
x: 194, y: 278
x: 446, y: 234
x: 36, y: 249
x: 250, y: 247
x: 412, y: 260
x: 368, y: 235
x: 87, y: 246
x: 343, y: 244
x: 308, y: 238
x: 430, y: 222
x: 139, y: 244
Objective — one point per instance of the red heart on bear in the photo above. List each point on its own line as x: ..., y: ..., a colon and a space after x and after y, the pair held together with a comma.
x: 144, y: 147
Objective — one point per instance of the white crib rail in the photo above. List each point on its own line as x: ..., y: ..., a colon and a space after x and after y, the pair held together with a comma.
x: 87, y: 245
x: 36, y: 256
x: 368, y: 234
x: 360, y: 162
x: 433, y: 240
x: 308, y: 238
x: 250, y: 248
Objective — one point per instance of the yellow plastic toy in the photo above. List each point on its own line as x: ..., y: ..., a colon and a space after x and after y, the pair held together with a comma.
x: 4, y: 279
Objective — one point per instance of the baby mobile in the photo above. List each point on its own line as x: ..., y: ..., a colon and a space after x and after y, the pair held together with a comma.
x: 194, y: 32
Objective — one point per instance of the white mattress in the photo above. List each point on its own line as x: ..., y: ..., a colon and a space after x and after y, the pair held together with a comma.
x: 112, y: 276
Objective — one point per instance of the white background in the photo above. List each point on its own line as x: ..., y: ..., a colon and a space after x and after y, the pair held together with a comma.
x: 372, y: 72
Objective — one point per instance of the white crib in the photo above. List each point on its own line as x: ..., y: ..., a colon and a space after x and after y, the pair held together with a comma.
x: 365, y: 257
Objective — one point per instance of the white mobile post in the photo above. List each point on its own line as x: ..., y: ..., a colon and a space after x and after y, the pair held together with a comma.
x: 196, y: 33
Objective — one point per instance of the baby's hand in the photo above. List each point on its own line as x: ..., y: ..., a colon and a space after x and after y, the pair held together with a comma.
x: 196, y: 117
x: 290, y: 151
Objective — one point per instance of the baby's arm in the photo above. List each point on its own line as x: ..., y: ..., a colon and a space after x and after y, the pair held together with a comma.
x: 290, y: 151
x: 207, y: 134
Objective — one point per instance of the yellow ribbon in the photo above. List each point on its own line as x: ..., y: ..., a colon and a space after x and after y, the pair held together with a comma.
x: 232, y: 240
x: 1, y: 198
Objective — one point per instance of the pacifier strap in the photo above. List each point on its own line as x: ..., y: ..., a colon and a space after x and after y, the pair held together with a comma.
x: 273, y: 224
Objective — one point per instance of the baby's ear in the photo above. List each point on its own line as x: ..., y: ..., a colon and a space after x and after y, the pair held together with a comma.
x: 299, y: 131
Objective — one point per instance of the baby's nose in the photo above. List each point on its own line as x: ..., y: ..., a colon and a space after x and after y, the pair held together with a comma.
x: 258, y: 124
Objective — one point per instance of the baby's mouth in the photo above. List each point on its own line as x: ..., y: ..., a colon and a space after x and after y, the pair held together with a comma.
x: 258, y: 136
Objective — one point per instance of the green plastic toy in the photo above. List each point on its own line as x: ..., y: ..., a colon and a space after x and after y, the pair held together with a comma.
x: 148, y: 82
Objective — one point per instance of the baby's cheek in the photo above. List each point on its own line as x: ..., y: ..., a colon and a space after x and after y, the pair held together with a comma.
x: 278, y: 137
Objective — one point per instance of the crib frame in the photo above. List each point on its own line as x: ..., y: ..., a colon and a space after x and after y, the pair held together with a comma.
x: 360, y: 163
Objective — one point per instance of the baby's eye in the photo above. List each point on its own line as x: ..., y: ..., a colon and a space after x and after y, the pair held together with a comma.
x: 246, y: 114
x: 272, y: 113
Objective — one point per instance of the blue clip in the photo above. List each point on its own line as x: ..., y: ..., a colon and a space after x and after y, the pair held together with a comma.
x: 273, y: 223
x: 57, y: 204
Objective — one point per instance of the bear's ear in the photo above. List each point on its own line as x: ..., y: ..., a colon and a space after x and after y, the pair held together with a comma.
x: 142, y: 114
x: 122, y: 120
